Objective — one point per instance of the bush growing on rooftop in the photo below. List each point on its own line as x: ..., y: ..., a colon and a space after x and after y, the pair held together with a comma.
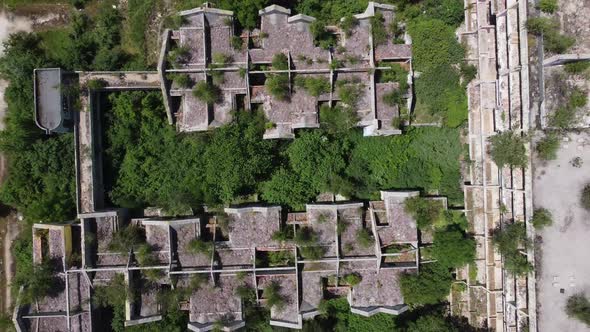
x: 397, y: 73
x: 198, y: 246
x: 553, y: 41
x: 38, y: 281
x: 364, y: 238
x: 541, y: 218
x: 179, y: 55
x: 182, y: 80
x: 280, y: 62
x: 96, y: 84
x: 507, y: 149
x: 508, y: 240
x: 125, y: 239
x: 114, y: 294
x: 144, y: 255
x: 273, y: 297
x: 392, y: 98
x: 349, y: 93
x: 315, y: 86
x: 578, y: 307
x: 245, y: 292
x: 548, y: 6
x: 196, y: 281
x: 206, y: 92
x: 352, y: 279
x: 337, y: 119
x: 378, y: 29
x: 322, y: 37
x: 277, y: 85
x: 348, y: 23
x: 237, y: 43
x: 427, y: 212
x: 547, y: 147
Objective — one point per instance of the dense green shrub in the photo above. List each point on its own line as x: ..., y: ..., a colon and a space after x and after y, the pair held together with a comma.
x: 507, y: 149
x: 287, y: 188
x: 541, y: 218
x: 378, y: 29
x: 183, y: 80
x: 348, y: 23
x: 273, y: 297
x: 553, y: 41
x: 427, y: 212
x: 547, y: 147
x: 508, y: 240
x: 577, y: 67
x: 453, y: 248
x: 337, y: 119
x: 315, y: 86
x: 548, y: 6
x: 451, y: 12
x: 207, y: 92
x: 397, y: 73
x: 277, y: 85
x: 430, y: 286
x: 41, y: 182
x: 125, y: 239
x: 434, y: 44
x: 200, y: 247
x: 585, y: 197
x: 578, y: 307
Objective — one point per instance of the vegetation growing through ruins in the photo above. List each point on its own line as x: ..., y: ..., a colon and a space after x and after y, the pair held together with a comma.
x: 337, y: 120
x: 548, y: 6
x: 567, y: 115
x: 364, y: 238
x: 553, y: 40
x: 315, y: 86
x: 182, y: 80
x: 577, y: 67
x: 547, y: 146
x: 307, y: 241
x: 509, y: 240
x: 378, y: 29
x: 578, y: 307
x: 541, y: 218
x: 207, y: 92
x: 427, y: 212
x: 348, y: 23
x: 431, y: 286
x: 125, y: 239
x: 507, y: 149
x: 436, y: 54
x: 272, y: 294
x: 200, y: 247
x: 352, y: 279
x: 453, y: 248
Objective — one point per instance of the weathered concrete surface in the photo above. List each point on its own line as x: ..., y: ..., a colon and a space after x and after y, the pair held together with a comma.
x: 564, y: 251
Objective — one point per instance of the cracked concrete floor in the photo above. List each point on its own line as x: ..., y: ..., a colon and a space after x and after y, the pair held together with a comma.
x: 566, y: 244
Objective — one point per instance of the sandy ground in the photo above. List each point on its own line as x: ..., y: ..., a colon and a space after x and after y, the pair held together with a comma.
x: 565, y: 246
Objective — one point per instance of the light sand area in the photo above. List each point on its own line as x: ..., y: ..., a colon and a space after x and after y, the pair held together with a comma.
x: 565, y: 248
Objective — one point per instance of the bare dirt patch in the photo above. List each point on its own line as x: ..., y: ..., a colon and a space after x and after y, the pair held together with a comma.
x: 563, y: 257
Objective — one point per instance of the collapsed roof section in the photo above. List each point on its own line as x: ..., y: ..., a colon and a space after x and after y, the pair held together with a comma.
x: 204, y: 49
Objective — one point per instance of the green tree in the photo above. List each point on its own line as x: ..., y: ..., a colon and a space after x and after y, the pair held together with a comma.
x: 207, y: 92
x: 237, y: 158
x: 508, y: 240
x: 337, y: 119
x: 286, y: 188
x: 578, y: 307
x: 427, y: 212
x: 430, y: 286
x: 541, y: 218
x: 547, y: 147
x: 317, y: 159
x: 507, y: 149
x: 453, y: 248
x: 431, y: 323
x: 548, y: 6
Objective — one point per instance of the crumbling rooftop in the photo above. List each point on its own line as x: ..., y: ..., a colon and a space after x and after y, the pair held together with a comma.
x: 207, y: 34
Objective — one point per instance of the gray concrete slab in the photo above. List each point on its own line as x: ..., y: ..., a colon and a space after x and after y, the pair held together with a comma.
x: 563, y: 254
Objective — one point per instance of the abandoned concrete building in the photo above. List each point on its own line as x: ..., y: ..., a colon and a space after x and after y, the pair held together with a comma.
x: 215, y: 255
x: 202, y: 48
x: 240, y: 250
